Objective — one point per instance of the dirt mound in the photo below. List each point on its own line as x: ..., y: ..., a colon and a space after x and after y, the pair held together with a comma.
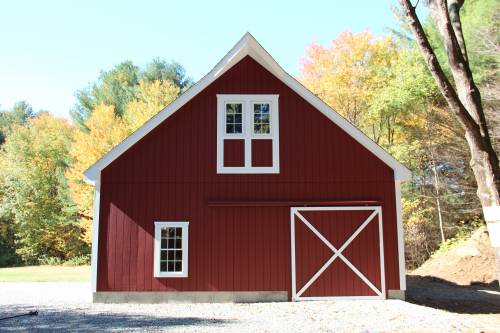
x: 471, y: 262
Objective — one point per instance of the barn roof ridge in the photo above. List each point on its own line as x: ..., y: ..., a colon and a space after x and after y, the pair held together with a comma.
x: 246, y: 46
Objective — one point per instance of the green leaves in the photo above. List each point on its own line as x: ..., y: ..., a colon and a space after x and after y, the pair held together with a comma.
x: 34, y: 189
x: 120, y: 85
x: 19, y: 114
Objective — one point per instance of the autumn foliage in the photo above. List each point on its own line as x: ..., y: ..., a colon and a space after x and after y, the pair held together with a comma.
x: 379, y: 83
x: 347, y: 73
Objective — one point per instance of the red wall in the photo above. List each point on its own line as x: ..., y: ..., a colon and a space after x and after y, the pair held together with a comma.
x: 170, y: 175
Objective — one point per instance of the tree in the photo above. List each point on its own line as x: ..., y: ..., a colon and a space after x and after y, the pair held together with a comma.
x: 18, y: 115
x: 34, y: 190
x: 346, y: 74
x: 463, y: 99
x: 161, y: 70
x: 119, y: 86
x: 152, y: 97
x: 116, y: 87
x: 400, y: 102
x: 105, y: 130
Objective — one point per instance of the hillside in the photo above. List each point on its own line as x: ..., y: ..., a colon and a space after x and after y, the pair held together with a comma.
x: 472, y: 262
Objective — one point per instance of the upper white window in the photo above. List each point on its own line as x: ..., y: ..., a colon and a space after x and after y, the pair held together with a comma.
x: 241, y: 121
x: 171, y: 249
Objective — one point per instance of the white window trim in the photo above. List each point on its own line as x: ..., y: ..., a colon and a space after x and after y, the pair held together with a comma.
x: 185, y: 248
x: 247, y: 135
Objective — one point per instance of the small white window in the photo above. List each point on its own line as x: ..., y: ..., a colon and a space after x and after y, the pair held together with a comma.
x: 171, y: 249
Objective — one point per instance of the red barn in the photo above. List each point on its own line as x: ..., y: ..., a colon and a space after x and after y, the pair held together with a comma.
x: 247, y: 188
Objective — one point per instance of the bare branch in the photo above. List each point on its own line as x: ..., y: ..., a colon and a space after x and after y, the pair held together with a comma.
x: 454, y: 14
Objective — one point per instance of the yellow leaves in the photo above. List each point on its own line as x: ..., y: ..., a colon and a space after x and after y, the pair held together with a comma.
x: 34, y: 195
x: 151, y: 99
x: 346, y: 74
x: 105, y: 130
x: 37, y: 146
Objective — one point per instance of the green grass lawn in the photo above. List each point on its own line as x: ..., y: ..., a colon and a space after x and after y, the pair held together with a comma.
x: 45, y: 274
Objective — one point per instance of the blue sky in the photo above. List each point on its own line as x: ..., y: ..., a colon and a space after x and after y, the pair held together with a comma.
x: 49, y: 49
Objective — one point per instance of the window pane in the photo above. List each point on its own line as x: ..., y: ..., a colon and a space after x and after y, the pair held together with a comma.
x: 170, y: 266
x: 164, y: 232
x: 178, y: 266
x: 163, y: 254
x: 178, y: 255
x: 230, y: 128
x: 170, y: 243
x: 171, y: 255
x: 265, y: 129
x: 265, y: 118
x: 229, y: 118
x: 234, y: 108
x: 171, y: 232
x: 164, y: 244
x: 238, y: 118
x: 179, y: 232
x: 237, y: 129
x: 163, y: 266
x: 264, y: 108
x: 257, y: 128
x: 178, y: 243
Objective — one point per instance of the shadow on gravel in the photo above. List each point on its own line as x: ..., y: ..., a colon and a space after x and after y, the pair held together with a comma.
x: 445, y: 295
x: 80, y: 320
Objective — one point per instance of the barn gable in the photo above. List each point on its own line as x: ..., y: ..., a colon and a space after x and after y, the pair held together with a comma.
x: 247, y: 47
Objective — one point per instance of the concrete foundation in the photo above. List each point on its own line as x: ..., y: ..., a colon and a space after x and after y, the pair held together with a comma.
x: 189, y: 297
x: 396, y: 294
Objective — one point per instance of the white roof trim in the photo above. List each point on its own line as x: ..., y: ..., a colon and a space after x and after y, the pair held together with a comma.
x: 247, y: 45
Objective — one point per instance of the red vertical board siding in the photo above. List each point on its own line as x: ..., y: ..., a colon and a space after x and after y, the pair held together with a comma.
x: 170, y: 175
x: 262, y: 153
x: 234, y: 153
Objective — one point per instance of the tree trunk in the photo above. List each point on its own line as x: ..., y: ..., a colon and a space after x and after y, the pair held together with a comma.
x: 465, y: 102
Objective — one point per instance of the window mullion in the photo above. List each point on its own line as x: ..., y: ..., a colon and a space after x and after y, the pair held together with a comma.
x: 247, y: 114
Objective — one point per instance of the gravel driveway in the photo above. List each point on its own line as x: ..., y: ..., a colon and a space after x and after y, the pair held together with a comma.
x: 66, y: 307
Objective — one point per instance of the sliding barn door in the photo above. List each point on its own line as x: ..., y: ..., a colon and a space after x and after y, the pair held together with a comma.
x: 337, y: 252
